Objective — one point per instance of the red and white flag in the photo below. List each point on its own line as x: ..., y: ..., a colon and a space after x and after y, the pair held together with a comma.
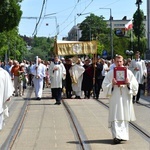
x: 129, y: 25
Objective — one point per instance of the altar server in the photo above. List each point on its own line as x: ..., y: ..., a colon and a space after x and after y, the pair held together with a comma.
x: 38, y: 70
x: 121, y: 109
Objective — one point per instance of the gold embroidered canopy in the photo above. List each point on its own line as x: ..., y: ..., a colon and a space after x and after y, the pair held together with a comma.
x: 64, y: 48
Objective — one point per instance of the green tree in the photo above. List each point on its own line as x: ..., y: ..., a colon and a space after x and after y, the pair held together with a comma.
x: 12, y: 44
x: 138, y: 25
x: 92, y: 26
x: 42, y: 47
x: 92, y: 29
x: 121, y: 44
x: 139, y: 30
x: 10, y: 14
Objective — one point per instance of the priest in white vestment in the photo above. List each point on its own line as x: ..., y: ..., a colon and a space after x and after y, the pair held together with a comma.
x: 138, y: 67
x: 38, y: 70
x: 6, y: 91
x: 57, y: 73
x: 121, y: 109
x: 76, y: 74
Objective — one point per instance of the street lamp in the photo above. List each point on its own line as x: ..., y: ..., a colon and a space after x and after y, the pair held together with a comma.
x: 111, y: 35
x: 129, y: 53
x: 138, y: 3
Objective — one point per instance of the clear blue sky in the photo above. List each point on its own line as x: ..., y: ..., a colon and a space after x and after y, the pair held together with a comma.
x: 65, y: 13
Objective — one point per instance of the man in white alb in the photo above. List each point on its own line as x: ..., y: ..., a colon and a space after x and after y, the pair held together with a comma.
x: 38, y: 70
x: 6, y: 91
x: 121, y: 109
x: 138, y: 67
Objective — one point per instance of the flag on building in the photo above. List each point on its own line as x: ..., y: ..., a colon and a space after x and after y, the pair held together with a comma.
x: 129, y: 25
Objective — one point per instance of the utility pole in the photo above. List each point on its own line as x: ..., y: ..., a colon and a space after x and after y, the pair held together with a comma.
x: 138, y: 3
x: 111, y: 34
x: 148, y: 30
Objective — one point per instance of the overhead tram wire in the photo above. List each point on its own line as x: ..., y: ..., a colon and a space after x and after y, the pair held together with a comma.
x: 73, y: 20
x: 41, y: 15
x: 35, y: 30
x: 87, y: 6
x: 71, y: 12
x: 82, y: 12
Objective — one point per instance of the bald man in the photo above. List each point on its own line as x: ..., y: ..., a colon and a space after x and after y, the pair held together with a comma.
x: 38, y: 70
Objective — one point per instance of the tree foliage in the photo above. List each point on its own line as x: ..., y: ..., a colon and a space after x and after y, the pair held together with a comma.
x: 92, y: 26
x: 10, y: 14
x: 138, y: 25
x: 13, y: 44
x: 42, y: 47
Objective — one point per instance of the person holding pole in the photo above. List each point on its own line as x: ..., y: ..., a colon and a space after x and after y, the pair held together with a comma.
x: 38, y: 70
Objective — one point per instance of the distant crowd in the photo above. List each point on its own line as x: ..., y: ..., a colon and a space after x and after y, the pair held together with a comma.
x: 82, y: 75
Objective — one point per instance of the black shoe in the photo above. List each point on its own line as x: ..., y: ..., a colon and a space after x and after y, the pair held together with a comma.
x: 77, y: 97
x: 117, y: 141
x: 57, y: 103
x: 38, y: 98
x: 137, y: 101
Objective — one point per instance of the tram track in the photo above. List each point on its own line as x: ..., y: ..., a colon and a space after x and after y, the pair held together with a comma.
x: 83, y: 143
x: 78, y: 129
x: 145, y: 134
x: 8, y: 144
x: 18, y: 126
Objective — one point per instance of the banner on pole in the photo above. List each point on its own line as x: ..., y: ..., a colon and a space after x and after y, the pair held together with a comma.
x: 75, y: 47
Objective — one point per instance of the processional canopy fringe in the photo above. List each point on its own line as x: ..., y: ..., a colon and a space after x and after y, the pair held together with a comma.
x: 64, y: 48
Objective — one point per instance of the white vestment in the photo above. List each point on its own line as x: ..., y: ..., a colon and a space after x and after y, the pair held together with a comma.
x: 76, y: 71
x: 6, y: 91
x: 56, y: 76
x: 121, y: 109
x: 139, y: 75
x: 38, y: 82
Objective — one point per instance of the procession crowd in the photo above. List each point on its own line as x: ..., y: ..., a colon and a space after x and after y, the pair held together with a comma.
x: 76, y: 77
x: 79, y: 75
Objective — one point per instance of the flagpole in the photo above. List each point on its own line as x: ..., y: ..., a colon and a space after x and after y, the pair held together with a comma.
x: 131, y: 38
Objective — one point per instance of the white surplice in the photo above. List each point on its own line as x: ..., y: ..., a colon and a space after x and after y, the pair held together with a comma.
x: 56, y: 76
x: 38, y: 82
x: 6, y: 91
x: 77, y: 71
x: 139, y: 75
x: 121, y: 109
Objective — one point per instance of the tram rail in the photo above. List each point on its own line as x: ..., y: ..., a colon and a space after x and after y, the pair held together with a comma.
x: 82, y: 138
x: 12, y: 137
x: 18, y: 124
x: 145, y: 134
x: 79, y: 131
